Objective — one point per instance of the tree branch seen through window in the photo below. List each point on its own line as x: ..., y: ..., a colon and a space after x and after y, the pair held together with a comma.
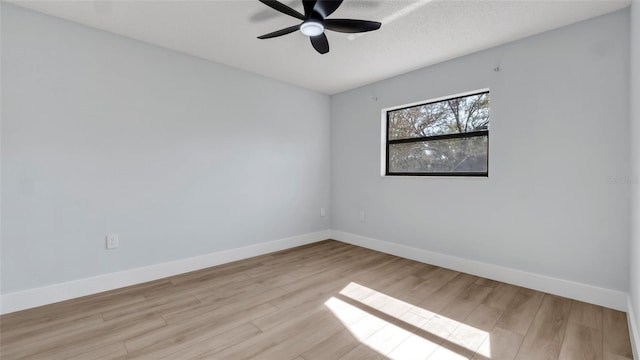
x: 445, y: 137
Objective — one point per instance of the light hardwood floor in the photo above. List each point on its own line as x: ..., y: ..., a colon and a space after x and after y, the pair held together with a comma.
x: 327, y: 300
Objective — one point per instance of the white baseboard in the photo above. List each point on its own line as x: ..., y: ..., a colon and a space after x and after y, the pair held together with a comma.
x: 26, y: 299
x: 68, y: 290
x: 634, y: 330
x: 570, y: 289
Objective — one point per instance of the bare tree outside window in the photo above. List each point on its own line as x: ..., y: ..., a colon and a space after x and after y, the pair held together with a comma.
x: 445, y: 137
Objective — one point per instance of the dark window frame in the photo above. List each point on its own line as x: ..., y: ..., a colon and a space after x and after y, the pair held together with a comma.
x: 435, y: 138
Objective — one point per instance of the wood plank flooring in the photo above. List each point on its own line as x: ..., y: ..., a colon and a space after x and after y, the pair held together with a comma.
x: 327, y: 300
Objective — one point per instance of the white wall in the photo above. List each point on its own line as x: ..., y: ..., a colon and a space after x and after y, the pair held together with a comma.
x: 555, y: 202
x: 179, y: 156
x: 635, y: 178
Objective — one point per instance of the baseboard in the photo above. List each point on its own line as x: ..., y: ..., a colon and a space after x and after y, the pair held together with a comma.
x: 64, y: 291
x: 68, y: 290
x: 570, y: 289
x: 634, y: 331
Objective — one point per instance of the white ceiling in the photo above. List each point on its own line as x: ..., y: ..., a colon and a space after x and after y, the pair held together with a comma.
x: 414, y: 34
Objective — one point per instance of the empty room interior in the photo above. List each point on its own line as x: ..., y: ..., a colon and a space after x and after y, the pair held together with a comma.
x: 298, y: 180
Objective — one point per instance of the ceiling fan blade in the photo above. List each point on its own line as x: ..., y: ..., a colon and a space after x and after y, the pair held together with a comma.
x: 351, y: 26
x: 308, y: 7
x: 320, y: 43
x: 280, y: 32
x: 327, y: 7
x: 276, y: 5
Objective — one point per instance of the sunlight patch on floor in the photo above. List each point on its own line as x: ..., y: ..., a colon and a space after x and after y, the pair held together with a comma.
x: 378, y: 334
x: 400, y: 330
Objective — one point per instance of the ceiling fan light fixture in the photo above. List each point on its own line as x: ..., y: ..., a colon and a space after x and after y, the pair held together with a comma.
x: 311, y: 28
x: 314, y: 22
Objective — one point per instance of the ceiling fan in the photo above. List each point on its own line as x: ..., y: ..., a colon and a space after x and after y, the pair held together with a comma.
x: 315, y: 22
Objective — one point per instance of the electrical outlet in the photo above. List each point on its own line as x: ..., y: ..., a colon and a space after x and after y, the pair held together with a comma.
x: 322, y: 212
x: 112, y: 241
x: 361, y: 215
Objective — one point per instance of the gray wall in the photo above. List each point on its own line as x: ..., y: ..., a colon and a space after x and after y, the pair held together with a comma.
x: 635, y: 166
x: 555, y: 202
x: 180, y: 157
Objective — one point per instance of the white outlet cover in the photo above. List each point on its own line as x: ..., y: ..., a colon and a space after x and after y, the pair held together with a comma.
x: 112, y: 241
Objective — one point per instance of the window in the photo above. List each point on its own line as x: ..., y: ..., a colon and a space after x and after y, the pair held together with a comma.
x: 447, y: 137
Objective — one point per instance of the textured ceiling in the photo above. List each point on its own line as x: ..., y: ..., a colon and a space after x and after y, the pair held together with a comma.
x: 414, y: 34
